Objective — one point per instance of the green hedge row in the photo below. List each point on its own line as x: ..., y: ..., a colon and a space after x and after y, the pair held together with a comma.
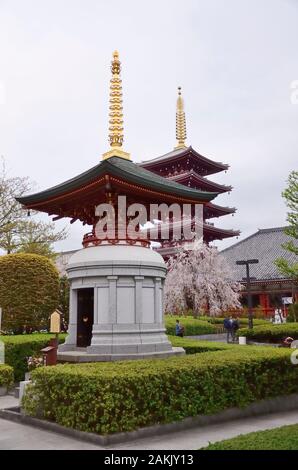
x: 270, y: 333
x: 192, y: 346
x: 243, y: 321
x: 117, y: 397
x: 6, y: 376
x: 192, y: 326
x: 19, y: 347
x: 284, y: 438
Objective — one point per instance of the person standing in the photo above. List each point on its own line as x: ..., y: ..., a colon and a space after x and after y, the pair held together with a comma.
x: 228, y: 326
x: 235, y: 328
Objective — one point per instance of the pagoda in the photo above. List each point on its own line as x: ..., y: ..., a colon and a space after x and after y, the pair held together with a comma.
x: 186, y: 166
x: 116, y: 280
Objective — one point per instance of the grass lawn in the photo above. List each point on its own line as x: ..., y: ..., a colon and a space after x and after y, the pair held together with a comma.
x: 284, y: 438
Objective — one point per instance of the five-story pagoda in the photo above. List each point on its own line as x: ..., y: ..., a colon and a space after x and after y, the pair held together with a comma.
x: 116, y: 280
x: 188, y: 167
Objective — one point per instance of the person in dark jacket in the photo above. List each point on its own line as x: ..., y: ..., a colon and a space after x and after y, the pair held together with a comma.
x: 235, y: 328
x: 228, y: 326
x: 179, y: 330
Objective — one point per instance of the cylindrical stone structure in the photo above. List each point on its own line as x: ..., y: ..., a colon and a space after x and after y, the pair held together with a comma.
x: 120, y: 289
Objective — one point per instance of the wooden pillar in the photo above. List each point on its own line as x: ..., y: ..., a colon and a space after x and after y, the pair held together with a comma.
x: 264, y: 302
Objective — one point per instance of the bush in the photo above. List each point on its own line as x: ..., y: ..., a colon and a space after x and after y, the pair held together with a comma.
x: 19, y: 347
x: 6, y: 376
x: 192, y: 346
x: 243, y: 321
x: 284, y: 438
x: 270, y: 333
x: 123, y: 396
x: 191, y: 325
x: 29, y: 291
x: 293, y: 313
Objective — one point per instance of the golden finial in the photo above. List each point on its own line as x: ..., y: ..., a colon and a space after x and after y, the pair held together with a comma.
x: 180, y: 122
x: 116, y: 112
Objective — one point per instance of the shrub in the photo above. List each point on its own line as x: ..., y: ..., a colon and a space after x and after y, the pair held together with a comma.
x: 123, y: 396
x: 19, y: 347
x: 270, y: 333
x: 192, y: 346
x: 29, y: 291
x: 64, y: 297
x: 293, y: 313
x: 191, y: 325
x: 6, y: 376
x: 243, y: 321
x: 284, y: 438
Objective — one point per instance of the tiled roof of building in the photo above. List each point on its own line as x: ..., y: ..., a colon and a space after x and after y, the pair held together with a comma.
x: 264, y: 245
x: 121, y: 168
x: 186, y: 151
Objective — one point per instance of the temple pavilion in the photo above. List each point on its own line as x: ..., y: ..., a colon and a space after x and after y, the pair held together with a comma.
x: 270, y: 288
x: 116, y: 283
x: 188, y: 167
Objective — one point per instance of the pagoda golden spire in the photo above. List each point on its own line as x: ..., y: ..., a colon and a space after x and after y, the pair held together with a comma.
x: 180, y: 122
x: 116, y: 112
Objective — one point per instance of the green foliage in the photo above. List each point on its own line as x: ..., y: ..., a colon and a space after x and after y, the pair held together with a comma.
x: 284, y: 438
x: 192, y: 326
x: 270, y: 333
x: 6, y: 376
x: 243, y: 321
x: 29, y: 291
x: 192, y: 346
x: 64, y: 297
x: 293, y: 313
x: 19, y: 347
x: 123, y: 396
x: 19, y: 233
x: 291, y: 197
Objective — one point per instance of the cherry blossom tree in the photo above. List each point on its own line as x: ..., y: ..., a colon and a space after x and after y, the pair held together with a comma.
x: 202, y: 279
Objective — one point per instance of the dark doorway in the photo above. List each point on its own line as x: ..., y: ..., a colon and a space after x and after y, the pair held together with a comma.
x: 85, y: 317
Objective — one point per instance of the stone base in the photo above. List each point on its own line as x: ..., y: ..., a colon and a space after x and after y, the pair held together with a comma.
x: 81, y: 355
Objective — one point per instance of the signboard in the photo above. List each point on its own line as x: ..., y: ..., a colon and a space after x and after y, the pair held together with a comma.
x: 287, y: 300
x: 55, y: 322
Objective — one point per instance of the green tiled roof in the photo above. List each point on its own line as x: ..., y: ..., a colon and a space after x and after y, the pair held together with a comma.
x: 126, y: 170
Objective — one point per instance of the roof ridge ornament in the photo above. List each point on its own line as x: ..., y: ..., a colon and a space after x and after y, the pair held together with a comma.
x: 116, y: 112
x: 180, y: 122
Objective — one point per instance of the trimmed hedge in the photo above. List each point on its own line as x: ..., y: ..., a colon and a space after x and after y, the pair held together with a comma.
x: 19, y: 347
x: 123, y: 396
x: 29, y: 291
x: 243, y: 321
x: 192, y: 326
x: 284, y: 438
x: 193, y: 346
x: 270, y: 333
x: 6, y: 376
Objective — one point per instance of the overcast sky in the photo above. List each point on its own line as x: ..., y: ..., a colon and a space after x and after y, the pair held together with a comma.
x: 235, y: 61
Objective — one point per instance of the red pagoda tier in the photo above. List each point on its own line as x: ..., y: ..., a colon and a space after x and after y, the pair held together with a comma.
x: 186, y: 166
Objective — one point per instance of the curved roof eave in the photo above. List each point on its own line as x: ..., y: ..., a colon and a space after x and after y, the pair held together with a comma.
x: 116, y: 166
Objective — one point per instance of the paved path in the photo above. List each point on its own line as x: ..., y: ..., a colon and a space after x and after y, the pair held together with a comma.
x: 218, y: 337
x: 15, y: 436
